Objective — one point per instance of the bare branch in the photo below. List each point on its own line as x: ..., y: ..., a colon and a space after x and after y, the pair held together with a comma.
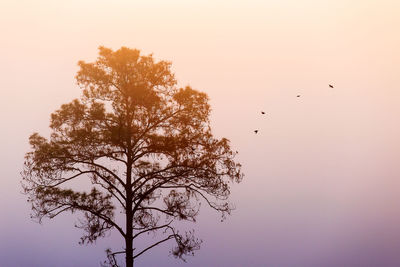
x: 152, y: 229
x: 152, y: 246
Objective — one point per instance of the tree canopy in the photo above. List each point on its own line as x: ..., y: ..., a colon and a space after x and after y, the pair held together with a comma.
x: 144, y: 144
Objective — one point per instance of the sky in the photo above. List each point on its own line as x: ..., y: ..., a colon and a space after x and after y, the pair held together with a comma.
x: 322, y: 177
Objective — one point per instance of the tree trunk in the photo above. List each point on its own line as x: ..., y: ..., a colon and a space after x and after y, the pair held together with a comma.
x: 129, y: 234
x: 129, y: 217
x: 129, y: 250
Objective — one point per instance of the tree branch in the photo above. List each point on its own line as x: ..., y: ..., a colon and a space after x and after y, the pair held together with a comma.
x: 152, y: 229
x: 155, y: 244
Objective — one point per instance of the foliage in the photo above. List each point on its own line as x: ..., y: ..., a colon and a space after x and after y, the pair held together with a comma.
x: 145, y: 145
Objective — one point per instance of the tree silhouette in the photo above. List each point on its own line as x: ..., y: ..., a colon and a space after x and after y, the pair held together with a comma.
x: 145, y: 145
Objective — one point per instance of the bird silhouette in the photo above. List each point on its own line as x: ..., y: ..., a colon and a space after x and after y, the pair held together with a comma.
x: 330, y: 85
x: 298, y: 95
x: 262, y: 112
x: 255, y: 131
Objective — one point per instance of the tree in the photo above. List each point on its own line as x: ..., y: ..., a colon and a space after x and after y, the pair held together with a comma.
x: 144, y: 144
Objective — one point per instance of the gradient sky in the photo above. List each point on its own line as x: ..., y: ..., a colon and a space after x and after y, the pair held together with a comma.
x: 322, y: 177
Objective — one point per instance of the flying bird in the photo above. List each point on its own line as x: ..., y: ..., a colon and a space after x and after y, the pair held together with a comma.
x: 262, y: 112
x: 330, y: 85
x: 298, y: 95
x: 255, y: 131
